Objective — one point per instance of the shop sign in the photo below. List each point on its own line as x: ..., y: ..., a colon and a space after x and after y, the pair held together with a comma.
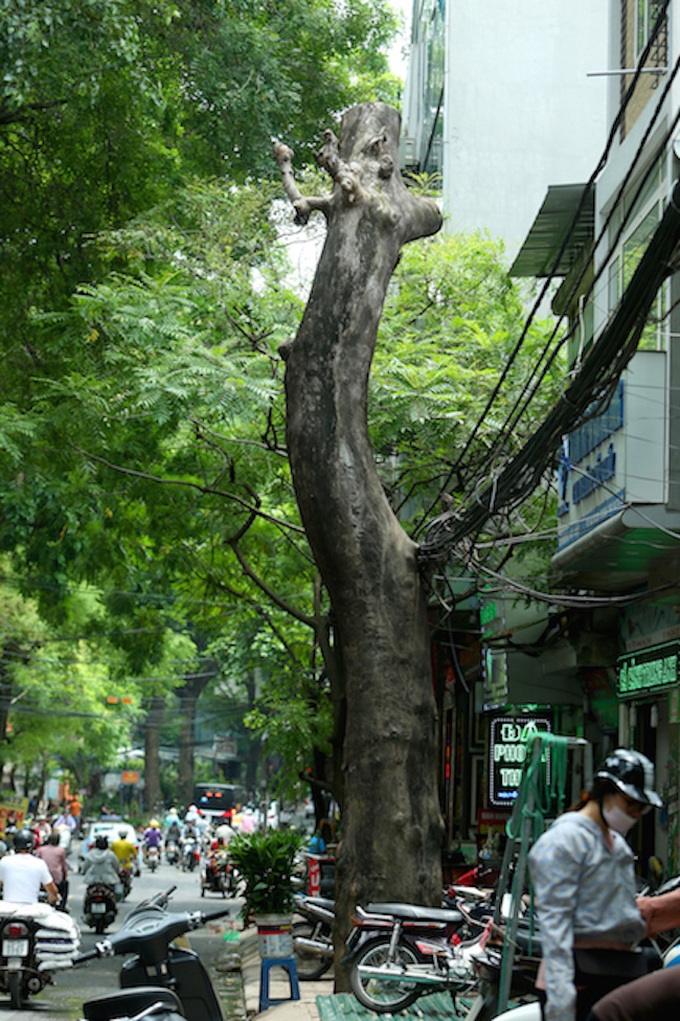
x: 615, y: 458
x: 508, y: 750
x: 648, y: 671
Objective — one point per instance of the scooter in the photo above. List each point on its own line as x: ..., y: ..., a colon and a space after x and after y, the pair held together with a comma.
x: 313, y: 937
x: 171, y: 852
x: 147, y: 933
x: 125, y: 872
x: 35, y: 941
x: 147, y: 1003
x: 191, y: 855
x: 152, y: 858
x: 100, y: 906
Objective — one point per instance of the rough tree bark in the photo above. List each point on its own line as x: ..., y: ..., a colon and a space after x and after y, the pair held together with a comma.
x: 152, y: 773
x: 391, y: 823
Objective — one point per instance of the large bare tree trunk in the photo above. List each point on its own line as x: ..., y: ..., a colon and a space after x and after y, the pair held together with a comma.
x: 391, y: 823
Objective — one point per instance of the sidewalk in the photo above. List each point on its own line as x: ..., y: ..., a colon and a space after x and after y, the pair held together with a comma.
x: 317, y: 1000
x: 304, y: 1009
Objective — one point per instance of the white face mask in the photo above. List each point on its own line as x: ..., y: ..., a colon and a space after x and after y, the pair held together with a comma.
x: 616, y: 818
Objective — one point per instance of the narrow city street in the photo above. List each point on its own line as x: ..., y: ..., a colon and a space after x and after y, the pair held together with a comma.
x: 63, y: 1001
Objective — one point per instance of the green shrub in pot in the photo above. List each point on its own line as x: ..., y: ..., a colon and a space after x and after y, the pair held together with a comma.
x: 265, y: 863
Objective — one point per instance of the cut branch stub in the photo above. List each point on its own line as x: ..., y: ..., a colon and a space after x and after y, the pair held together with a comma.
x: 362, y: 164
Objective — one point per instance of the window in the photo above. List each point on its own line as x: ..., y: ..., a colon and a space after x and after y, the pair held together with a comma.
x: 646, y: 14
x: 644, y: 217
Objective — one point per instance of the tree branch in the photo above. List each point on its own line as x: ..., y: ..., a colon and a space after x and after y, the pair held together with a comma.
x: 269, y: 592
x: 303, y: 206
x: 206, y: 490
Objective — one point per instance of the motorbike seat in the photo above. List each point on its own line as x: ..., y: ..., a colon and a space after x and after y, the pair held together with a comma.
x: 416, y: 912
x: 320, y: 902
x: 127, y: 1002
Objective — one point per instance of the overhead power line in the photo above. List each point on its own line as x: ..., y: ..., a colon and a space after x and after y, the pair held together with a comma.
x: 618, y: 120
x: 605, y: 361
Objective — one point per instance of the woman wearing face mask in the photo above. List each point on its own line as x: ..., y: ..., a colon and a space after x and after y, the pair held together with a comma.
x: 582, y: 870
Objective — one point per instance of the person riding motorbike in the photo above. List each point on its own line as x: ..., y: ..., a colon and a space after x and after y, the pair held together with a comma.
x: 126, y: 853
x: 152, y: 837
x: 583, y: 875
x: 100, y: 864
x: 22, y: 874
x: 124, y: 849
x: 54, y: 856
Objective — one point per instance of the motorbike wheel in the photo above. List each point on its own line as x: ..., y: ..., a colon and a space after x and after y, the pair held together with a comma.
x: 99, y: 926
x: 376, y: 994
x: 15, y: 997
x: 309, y: 966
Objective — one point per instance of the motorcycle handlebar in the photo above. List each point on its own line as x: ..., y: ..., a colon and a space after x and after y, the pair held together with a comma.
x: 208, y: 916
x: 102, y: 949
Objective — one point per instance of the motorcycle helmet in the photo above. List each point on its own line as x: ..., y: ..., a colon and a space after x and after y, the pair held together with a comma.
x: 23, y: 840
x: 153, y: 823
x: 633, y: 774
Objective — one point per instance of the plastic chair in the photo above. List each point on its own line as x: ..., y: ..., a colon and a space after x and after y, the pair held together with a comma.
x: 289, y: 965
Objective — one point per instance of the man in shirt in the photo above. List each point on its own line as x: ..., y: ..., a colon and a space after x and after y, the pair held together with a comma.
x: 54, y: 857
x: 22, y: 874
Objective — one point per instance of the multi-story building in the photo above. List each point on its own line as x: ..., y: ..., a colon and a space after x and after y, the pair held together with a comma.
x: 619, y: 512
x: 501, y: 100
x: 556, y: 129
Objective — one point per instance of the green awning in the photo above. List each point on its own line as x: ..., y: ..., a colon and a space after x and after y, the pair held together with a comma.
x: 564, y: 205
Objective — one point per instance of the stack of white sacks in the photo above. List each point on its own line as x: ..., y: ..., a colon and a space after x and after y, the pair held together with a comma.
x: 57, y: 938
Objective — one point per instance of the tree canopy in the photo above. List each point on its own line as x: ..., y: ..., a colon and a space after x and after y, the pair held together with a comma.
x: 146, y: 294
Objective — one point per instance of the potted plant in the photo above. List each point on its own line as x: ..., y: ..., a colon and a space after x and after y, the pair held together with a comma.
x: 265, y: 864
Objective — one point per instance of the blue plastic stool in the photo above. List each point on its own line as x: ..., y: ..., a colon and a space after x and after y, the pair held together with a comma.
x: 288, y: 963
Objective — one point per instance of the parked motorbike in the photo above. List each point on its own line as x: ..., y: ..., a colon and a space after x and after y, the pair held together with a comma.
x: 100, y: 907
x: 147, y: 1003
x: 148, y: 933
x: 313, y: 937
x: 398, y: 952
x: 35, y: 942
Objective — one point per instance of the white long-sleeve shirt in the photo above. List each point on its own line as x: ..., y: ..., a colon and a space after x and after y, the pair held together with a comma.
x: 585, y: 890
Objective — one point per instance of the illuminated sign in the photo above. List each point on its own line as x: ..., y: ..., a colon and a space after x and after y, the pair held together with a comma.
x: 649, y: 670
x: 508, y: 750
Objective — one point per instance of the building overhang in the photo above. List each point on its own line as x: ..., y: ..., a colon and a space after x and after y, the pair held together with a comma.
x: 632, y: 549
x: 552, y: 247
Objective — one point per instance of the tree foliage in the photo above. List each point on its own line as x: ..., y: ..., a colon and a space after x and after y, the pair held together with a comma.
x: 145, y: 298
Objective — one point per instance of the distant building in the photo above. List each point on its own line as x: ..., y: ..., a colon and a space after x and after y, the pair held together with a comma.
x: 498, y: 100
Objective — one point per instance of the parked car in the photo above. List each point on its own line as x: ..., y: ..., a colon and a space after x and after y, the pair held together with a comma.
x: 109, y: 828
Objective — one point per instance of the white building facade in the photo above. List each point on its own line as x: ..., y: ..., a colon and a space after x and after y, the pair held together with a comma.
x: 503, y: 99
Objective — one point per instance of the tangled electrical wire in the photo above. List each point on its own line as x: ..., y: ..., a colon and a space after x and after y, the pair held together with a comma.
x: 591, y: 385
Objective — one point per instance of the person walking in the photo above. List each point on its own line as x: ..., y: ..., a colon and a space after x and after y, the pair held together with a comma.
x: 582, y: 870
x: 54, y: 857
x: 22, y: 874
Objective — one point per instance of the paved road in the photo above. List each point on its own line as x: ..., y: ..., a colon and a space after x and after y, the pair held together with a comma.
x: 63, y: 1001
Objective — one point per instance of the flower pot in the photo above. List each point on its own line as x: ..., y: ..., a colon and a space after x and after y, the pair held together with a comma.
x: 274, y: 935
